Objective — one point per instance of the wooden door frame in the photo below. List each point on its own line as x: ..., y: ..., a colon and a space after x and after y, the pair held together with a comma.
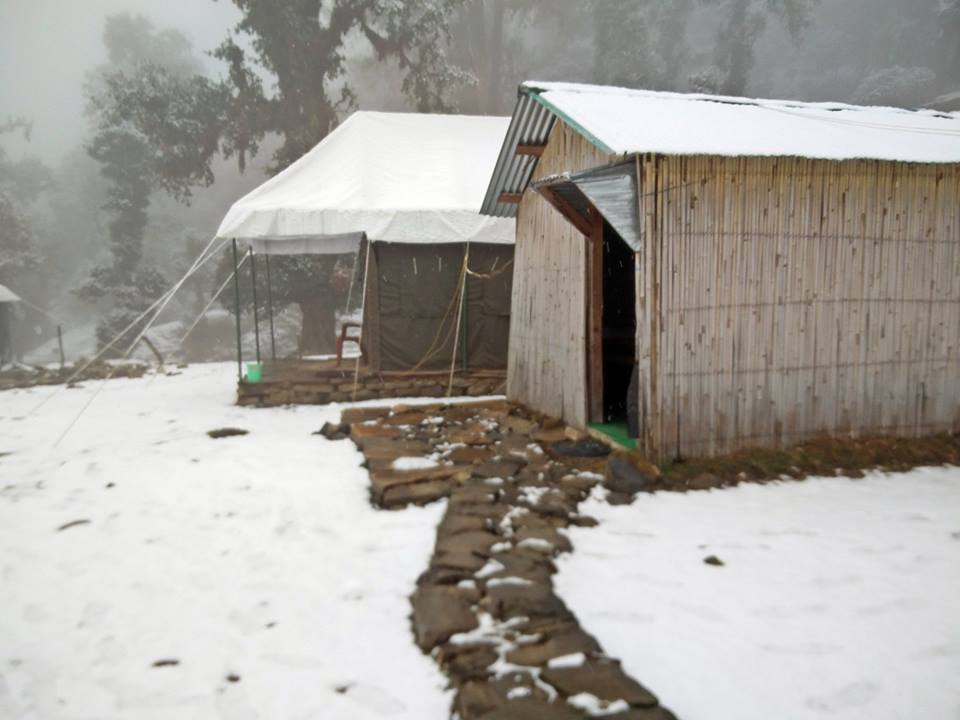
x: 594, y: 314
x: 591, y: 227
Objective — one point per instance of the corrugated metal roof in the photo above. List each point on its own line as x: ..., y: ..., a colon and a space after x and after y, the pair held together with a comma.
x: 531, y: 125
x: 621, y: 122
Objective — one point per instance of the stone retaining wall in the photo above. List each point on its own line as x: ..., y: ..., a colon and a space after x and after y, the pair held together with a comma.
x: 338, y: 386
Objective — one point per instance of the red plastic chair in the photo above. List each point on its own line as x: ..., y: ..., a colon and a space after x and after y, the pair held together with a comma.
x: 346, y: 337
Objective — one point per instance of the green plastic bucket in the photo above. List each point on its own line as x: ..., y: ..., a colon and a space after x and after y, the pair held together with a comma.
x: 254, y: 372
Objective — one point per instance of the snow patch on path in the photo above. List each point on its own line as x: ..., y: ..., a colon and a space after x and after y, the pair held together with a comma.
x: 837, y: 599
x: 255, y: 562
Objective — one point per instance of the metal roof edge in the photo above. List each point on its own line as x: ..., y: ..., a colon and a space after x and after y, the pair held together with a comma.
x: 530, y: 123
x: 533, y: 118
x: 537, y: 95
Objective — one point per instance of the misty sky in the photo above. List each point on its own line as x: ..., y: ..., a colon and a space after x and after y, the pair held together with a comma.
x: 47, y: 46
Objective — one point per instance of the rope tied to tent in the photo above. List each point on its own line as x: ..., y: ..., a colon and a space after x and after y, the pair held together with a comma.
x: 456, y: 338
x: 492, y: 274
x: 436, y: 347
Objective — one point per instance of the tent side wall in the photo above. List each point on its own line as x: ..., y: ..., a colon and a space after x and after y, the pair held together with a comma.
x: 410, y: 311
x: 547, y: 367
x: 799, y: 297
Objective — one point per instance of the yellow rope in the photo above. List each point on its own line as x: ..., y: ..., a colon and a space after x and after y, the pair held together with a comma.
x: 492, y: 274
x: 434, y: 347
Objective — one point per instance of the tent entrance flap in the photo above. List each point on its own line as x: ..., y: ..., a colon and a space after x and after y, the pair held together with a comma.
x: 415, y: 295
x: 612, y: 190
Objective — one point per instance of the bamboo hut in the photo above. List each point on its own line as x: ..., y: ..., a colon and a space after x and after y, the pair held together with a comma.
x: 731, y: 272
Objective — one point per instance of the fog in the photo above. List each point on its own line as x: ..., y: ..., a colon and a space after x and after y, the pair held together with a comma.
x: 48, y: 46
x: 96, y: 220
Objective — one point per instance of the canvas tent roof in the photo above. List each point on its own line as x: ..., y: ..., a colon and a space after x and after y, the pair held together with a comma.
x: 621, y: 121
x: 396, y: 177
x: 7, y: 295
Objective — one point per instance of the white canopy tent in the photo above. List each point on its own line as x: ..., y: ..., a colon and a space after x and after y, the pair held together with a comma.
x: 393, y: 177
x: 412, y: 186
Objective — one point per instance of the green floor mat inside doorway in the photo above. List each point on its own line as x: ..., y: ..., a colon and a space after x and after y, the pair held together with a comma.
x: 616, y: 431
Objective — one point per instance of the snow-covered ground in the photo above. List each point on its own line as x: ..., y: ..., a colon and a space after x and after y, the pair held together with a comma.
x: 837, y: 598
x: 255, y: 562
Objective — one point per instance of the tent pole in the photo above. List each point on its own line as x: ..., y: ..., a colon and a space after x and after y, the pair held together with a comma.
x: 456, y: 336
x: 236, y: 295
x: 363, y: 301
x: 256, y: 316
x: 273, y: 341
x: 466, y: 337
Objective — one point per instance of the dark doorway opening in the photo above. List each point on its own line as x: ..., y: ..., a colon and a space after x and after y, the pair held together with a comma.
x: 619, y: 325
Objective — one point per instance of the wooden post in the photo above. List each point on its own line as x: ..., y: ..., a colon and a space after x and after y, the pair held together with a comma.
x: 236, y: 294
x: 256, y: 316
x: 595, y: 319
x: 273, y: 341
x: 648, y: 307
x: 363, y: 301
x: 63, y: 359
x: 463, y: 325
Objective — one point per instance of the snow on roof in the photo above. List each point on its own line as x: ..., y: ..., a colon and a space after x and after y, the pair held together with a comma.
x: 7, y: 295
x: 624, y: 121
x: 398, y: 177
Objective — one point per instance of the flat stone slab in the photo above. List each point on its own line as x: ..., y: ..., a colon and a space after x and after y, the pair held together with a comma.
x: 440, y: 612
x: 573, y: 640
x: 503, y: 468
x: 476, y: 542
x: 388, y: 488
x: 536, y: 569
x: 629, y: 475
x: 471, y: 454
x: 420, y: 493
x: 410, y: 417
x: 472, y: 434
x: 604, y: 679
x: 381, y: 448
x: 470, y: 661
x: 463, y: 561
x: 359, y: 431
x: 361, y: 415
x: 533, y: 709
x: 516, y: 424
x: 655, y: 713
x: 456, y: 523
x: 510, y: 601
x: 558, y: 541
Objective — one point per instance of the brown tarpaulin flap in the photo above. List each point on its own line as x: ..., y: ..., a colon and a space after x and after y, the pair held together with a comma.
x: 410, y: 312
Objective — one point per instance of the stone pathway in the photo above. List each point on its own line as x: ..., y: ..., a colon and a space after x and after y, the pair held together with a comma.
x: 485, y: 608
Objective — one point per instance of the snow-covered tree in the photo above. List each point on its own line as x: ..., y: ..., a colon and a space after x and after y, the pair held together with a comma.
x: 19, y: 185
x: 285, y: 63
x: 640, y: 44
x: 897, y: 86
x: 124, y: 287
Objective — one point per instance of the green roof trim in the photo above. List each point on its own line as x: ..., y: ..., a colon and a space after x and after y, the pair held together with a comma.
x: 535, y: 93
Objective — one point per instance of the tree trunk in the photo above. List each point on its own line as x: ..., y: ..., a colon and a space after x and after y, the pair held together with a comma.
x: 318, y: 332
x: 496, y: 58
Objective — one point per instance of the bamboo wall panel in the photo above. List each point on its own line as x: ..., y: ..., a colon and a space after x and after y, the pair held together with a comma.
x: 799, y: 297
x: 547, y: 361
